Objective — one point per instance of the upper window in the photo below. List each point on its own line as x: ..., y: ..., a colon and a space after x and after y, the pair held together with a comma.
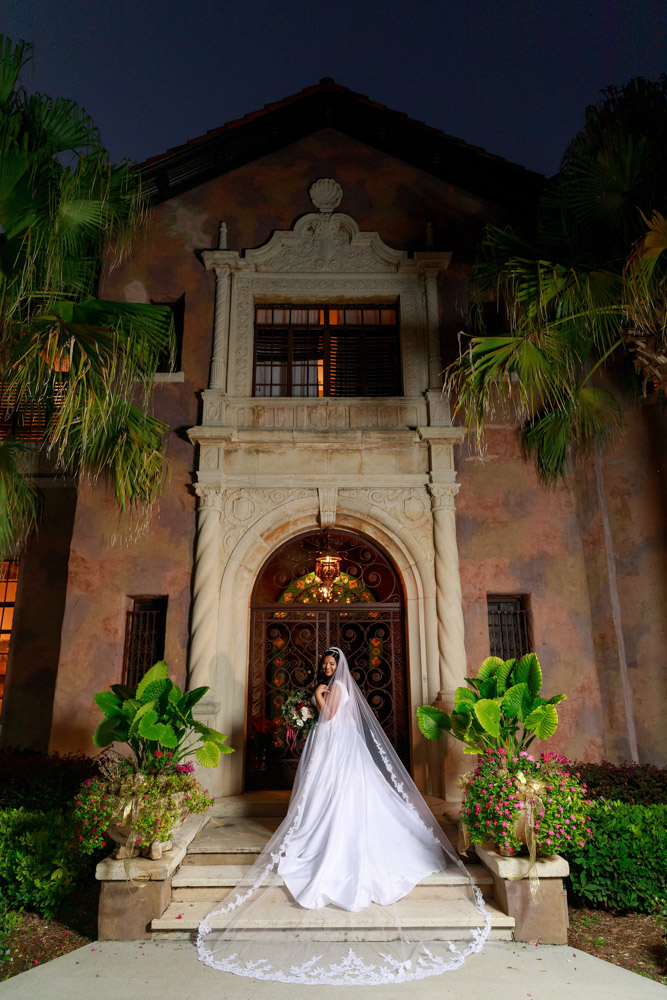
x: 350, y: 350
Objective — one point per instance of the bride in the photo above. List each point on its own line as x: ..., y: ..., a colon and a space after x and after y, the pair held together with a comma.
x: 357, y: 837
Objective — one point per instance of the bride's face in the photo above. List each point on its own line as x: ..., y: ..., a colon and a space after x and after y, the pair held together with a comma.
x: 329, y: 666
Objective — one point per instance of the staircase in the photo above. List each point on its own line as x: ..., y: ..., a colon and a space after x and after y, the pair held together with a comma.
x: 439, y: 908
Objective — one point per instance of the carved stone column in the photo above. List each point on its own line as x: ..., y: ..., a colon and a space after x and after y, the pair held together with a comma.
x: 449, y: 611
x: 206, y: 588
x: 218, y: 378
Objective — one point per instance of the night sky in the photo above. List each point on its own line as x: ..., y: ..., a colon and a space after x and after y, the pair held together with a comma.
x: 513, y: 77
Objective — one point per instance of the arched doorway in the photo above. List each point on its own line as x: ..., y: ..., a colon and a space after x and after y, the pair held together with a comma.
x: 292, y: 623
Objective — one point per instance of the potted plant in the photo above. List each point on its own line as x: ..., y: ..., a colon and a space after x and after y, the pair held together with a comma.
x: 511, y: 799
x: 141, y: 800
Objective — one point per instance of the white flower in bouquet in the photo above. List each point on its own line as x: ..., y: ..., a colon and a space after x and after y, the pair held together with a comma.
x: 299, y: 723
x: 306, y: 713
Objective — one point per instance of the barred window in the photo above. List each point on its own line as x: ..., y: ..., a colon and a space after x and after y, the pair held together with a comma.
x: 9, y: 574
x: 145, y: 629
x: 31, y: 420
x: 327, y: 351
x: 509, y: 626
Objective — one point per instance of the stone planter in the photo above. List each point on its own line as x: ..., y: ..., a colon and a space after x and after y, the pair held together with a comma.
x: 120, y: 829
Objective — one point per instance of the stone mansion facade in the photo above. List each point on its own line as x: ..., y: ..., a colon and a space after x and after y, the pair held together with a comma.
x: 316, y: 254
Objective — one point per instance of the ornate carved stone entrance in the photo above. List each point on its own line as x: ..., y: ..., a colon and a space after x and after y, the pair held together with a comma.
x: 290, y: 628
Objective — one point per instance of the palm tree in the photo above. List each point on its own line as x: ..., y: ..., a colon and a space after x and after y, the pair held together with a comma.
x: 585, y: 301
x: 76, y: 371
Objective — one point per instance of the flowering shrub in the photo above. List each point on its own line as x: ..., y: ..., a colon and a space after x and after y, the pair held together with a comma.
x: 149, y: 803
x: 262, y: 735
x: 635, y: 784
x: 35, y: 780
x: 507, y: 798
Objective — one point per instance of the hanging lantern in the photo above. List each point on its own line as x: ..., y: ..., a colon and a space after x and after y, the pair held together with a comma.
x: 327, y: 568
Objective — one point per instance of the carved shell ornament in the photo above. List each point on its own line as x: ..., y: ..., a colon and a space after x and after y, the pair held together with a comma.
x: 326, y: 194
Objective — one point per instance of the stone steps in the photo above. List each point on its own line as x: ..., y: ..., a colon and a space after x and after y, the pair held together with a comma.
x: 439, y: 908
x: 193, y: 883
x: 276, y: 917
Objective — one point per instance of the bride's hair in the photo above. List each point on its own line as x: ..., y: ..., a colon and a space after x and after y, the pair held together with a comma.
x: 321, y: 676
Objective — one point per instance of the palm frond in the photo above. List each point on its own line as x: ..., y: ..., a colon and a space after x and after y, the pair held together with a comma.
x: 19, y: 500
x: 585, y: 423
x: 13, y: 57
x: 124, y: 446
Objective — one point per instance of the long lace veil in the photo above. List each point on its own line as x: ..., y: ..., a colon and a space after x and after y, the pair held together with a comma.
x: 259, y: 931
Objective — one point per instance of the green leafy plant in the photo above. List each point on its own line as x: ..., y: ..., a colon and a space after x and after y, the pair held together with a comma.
x: 623, y: 866
x: 154, y: 717
x: 501, y: 707
x: 509, y: 800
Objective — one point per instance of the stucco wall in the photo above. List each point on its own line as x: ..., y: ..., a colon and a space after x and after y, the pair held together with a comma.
x: 514, y: 536
x: 622, y: 499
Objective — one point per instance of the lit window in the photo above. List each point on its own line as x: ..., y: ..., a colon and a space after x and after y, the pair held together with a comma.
x: 9, y: 573
x: 327, y: 351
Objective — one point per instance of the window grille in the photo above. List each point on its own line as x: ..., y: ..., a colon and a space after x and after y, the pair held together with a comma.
x: 509, y: 628
x: 9, y: 574
x: 144, y: 637
x: 327, y: 351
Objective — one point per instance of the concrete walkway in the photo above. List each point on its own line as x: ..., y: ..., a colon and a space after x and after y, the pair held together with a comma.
x: 170, y: 971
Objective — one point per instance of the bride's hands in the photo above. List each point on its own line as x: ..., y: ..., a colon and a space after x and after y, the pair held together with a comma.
x: 321, y: 691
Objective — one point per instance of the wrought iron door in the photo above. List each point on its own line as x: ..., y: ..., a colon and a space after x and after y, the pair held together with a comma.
x: 288, y: 638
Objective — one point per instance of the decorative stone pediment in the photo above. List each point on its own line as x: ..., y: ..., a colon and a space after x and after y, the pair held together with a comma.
x: 326, y: 242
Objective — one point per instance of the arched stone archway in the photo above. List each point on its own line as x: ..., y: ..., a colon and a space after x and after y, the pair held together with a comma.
x: 291, y: 625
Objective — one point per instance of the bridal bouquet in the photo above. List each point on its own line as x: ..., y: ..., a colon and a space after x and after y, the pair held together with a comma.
x: 299, y: 714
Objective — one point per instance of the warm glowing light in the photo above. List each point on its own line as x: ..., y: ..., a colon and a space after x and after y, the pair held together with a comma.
x: 327, y: 568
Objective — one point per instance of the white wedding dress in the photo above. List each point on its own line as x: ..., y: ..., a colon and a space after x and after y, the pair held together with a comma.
x: 358, y: 842
x: 357, y: 837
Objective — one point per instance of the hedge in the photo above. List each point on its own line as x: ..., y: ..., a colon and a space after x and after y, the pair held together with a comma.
x: 624, y: 864
x: 39, y: 863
